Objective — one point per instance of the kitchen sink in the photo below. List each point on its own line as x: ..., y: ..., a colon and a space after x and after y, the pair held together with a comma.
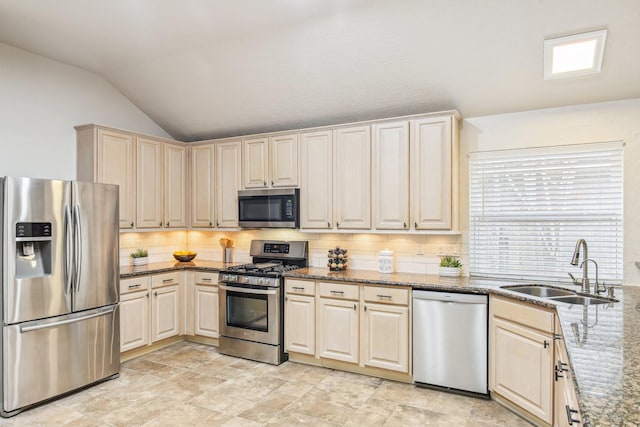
x: 540, y: 291
x: 579, y: 299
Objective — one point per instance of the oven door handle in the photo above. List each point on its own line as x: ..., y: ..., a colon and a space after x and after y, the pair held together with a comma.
x: 247, y: 290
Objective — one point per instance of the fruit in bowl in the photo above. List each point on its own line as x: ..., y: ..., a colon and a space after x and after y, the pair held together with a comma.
x: 184, y: 256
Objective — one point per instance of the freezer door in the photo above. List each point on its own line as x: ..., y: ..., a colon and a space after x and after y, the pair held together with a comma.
x: 36, y: 272
x: 96, y: 263
x: 45, y: 358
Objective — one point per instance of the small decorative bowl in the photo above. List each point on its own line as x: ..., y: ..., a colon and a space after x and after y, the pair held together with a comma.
x: 184, y: 257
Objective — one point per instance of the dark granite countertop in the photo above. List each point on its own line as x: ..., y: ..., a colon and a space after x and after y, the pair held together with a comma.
x: 165, y: 267
x: 603, y: 341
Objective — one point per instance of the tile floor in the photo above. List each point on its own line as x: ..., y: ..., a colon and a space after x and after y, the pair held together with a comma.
x: 189, y: 384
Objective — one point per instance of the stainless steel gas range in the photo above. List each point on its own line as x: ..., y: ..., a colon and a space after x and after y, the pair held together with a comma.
x: 252, y: 301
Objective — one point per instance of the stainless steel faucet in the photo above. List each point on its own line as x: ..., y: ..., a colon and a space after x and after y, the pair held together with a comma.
x: 585, y: 265
x: 585, y: 271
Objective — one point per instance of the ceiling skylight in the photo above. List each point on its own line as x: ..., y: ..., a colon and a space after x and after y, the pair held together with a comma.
x: 574, y: 55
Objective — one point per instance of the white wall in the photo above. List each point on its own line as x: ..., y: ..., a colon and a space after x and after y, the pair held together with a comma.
x: 42, y: 100
x: 610, y: 121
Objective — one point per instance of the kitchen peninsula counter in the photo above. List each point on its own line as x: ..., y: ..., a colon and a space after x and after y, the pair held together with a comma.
x: 603, y: 341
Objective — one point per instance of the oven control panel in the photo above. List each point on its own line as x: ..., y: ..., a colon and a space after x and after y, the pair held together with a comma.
x: 275, y: 248
x: 239, y: 279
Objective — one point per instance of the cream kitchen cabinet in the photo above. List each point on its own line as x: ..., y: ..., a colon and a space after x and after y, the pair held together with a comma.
x: 386, y: 337
x: 391, y: 175
x: 165, y: 306
x: 270, y: 161
x: 300, y: 316
x: 148, y: 183
x: 108, y: 156
x: 202, y: 185
x: 228, y: 165
x: 521, y: 356
x: 352, y: 172
x: 175, y: 186
x: 566, y: 407
x: 206, y: 305
x: 134, y: 312
x: 434, y: 173
x: 161, y: 184
x: 316, y: 180
x: 338, y: 322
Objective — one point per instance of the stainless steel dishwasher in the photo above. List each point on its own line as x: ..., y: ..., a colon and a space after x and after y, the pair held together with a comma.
x: 450, y: 341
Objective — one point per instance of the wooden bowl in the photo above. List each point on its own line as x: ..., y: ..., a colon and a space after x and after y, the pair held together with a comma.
x: 182, y: 257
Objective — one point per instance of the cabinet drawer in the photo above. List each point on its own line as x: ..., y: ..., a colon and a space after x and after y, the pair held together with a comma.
x: 167, y: 279
x: 134, y: 284
x: 379, y: 294
x: 206, y: 278
x: 302, y: 287
x: 339, y: 290
x: 525, y: 314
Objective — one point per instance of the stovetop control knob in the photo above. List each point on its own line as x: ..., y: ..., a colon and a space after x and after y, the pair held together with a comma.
x: 261, y: 281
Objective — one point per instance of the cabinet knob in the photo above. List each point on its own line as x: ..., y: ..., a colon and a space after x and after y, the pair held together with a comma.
x: 217, y: 224
x: 546, y: 343
x: 147, y: 295
x: 264, y: 183
x: 404, y: 225
x: 131, y: 223
x: 337, y: 224
x: 272, y: 183
x: 415, y: 224
x: 355, y: 306
x: 328, y: 225
x: 365, y: 308
x: 160, y: 223
x: 167, y: 223
x: 155, y: 293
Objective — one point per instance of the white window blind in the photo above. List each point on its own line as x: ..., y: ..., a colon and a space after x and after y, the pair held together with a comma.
x: 528, y: 207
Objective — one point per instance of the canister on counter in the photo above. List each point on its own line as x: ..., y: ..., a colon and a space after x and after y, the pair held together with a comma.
x: 385, y: 261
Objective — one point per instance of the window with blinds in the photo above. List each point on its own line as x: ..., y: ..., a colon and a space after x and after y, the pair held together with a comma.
x: 528, y: 208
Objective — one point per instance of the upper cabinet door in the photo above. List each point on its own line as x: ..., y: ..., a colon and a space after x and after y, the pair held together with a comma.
x: 115, y: 165
x: 352, y: 184
x: 391, y: 176
x: 149, y: 183
x: 256, y: 162
x: 283, y: 153
x: 228, y: 182
x: 316, y: 178
x: 431, y: 173
x: 202, y: 180
x: 175, y: 185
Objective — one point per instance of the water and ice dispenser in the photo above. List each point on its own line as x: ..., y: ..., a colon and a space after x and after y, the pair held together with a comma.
x: 33, y: 249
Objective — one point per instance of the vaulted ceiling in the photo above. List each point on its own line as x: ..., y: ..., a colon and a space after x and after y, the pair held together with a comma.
x: 211, y: 68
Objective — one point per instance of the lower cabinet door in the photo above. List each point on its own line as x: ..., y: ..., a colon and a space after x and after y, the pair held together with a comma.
x: 300, y: 324
x: 134, y: 320
x: 522, y: 367
x: 206, y: 307
x: 165, y: 313
x: 338, y: 330
x: 386, y: 340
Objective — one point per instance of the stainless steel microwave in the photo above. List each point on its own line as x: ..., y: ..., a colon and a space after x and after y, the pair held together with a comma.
x: 273, y: 208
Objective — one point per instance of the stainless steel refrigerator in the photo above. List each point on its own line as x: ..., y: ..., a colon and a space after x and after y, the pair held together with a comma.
x: 60, y: 288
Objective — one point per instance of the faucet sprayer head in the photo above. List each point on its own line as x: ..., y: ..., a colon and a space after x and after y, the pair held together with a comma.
x: 576, y: 253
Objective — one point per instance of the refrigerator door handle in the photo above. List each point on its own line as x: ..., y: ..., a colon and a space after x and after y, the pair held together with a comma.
x: 38, y: 325
x: 78, y: 245
x: 68, y: 250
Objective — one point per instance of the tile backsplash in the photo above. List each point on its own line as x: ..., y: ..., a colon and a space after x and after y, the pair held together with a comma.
x: 416, y: 253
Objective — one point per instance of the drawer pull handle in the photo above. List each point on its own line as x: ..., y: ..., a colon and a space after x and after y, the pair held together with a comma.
x: 384, y: 296
x: 156, y: 293
x: 137, y: 285
x: 355, y: 306
x: 570, y: 413
x: 546, y: 343
x: 297, y: 288
x: 206, y: 279
x: 559, y: 369
x: 337, y: 292
x: 167, y: 280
